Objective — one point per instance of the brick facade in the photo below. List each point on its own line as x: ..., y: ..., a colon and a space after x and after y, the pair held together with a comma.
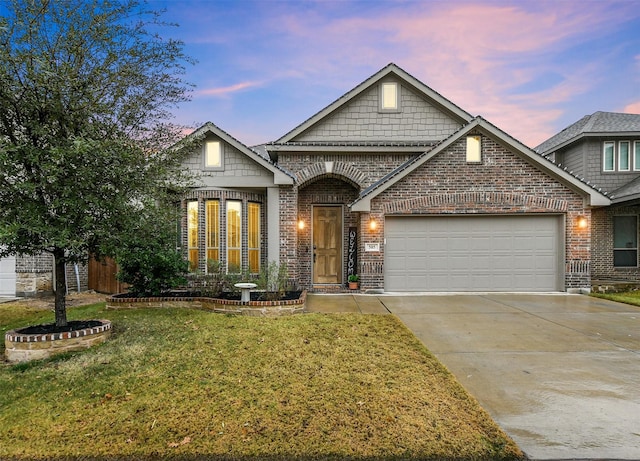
x: 503, y: 184
x: 602, y: 253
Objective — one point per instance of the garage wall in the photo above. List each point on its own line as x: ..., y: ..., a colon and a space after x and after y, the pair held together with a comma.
x: 502, y: 184
x: 8, y: 276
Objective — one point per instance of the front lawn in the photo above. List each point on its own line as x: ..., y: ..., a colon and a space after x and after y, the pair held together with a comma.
x: 186, y: 384
x: 628, y: 297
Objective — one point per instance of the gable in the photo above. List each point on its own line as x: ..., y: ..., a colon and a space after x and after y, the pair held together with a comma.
x: 363, y: 119
x: 236, y: 165
x: 481, y: 127
x: 360, y: 119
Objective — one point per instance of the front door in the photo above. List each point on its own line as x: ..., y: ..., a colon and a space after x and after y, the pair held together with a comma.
x: 327, y: 244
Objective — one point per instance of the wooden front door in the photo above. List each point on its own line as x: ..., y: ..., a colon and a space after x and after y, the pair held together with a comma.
x: 327, y: 244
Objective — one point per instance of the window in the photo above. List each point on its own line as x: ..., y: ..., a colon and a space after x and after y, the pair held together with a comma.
x: 608, y: 158
x: 212, y: 154
x: 213, y: 230
x: 625, y: 241
x: 389, y: 97
x: 234, y: 236
x: 253, y: 229
x: 474, y: 149
x: 636, y: 155
x: 192, y: 234
x: 624, y: 156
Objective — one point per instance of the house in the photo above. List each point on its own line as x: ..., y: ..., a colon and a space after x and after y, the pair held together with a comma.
x: 32, y: 275
x: 604, y: 148
x: 396, y: 183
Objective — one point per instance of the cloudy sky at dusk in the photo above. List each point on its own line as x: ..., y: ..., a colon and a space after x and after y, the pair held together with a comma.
x: 530, y: 67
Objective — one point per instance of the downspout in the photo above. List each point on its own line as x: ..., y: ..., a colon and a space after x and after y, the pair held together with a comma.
x: 75, y: 268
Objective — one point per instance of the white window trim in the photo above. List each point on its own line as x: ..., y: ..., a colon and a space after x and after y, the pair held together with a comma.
x: 381, y: 107
x: 205, y: 165
x: 604, y: 157
x: 474, y: 155
x: 628, y: 143
x: 636, y: 155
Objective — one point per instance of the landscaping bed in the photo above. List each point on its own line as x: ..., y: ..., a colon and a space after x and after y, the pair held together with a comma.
x: 228, y: 303
x: 182, y: 384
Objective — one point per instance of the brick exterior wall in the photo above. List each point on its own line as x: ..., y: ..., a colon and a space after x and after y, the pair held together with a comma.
x: 503, y: 183
x: 34, y: 276
x: 324, y: 179
x: 602, y: 253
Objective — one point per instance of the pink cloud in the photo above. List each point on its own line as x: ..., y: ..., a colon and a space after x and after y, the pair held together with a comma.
x: 227, y: 90
x: 633, y: 108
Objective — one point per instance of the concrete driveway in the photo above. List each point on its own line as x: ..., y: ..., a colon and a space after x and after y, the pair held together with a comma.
x: 560, y: 373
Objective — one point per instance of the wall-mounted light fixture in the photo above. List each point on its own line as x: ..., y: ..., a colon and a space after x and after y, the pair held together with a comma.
x: 581, y: 222
x: 372, y: 224
x: 300, y: 224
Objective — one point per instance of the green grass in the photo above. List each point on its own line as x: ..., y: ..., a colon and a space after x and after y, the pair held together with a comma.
x: 629, y: 297
x: 186, y: 384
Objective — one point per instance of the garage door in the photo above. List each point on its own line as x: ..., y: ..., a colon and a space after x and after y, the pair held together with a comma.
x: 8, y: 276
x: 473, y: 253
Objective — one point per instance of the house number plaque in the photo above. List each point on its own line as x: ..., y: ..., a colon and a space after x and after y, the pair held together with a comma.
x: 371, y: 247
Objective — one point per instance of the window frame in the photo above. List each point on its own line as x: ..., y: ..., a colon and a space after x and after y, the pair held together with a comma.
x: 254, y: 240
x: 382, y: 107
x: 620, y: 157
x: 604, y: 156
x: 474, y: 148
x: 205, y: 155
x: 212, y: 226
x: 237, y: 237
x: 193, y: 216
x: 636, y: 155
x: 626, y: 248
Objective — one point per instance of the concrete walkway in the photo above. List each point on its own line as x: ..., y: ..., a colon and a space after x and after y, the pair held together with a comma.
x: 560, y: 373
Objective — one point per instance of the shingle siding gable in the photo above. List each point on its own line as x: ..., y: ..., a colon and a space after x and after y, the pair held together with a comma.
x: 360, y: 119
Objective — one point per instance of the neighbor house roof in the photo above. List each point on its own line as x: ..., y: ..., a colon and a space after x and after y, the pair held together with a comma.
x: 596, y: 124
x: 478, y: 124
x: 391, y: 69
x: 280, y: 176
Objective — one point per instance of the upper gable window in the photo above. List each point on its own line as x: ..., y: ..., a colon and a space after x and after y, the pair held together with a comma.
x: 474, y: 149
x: 389, y: 97
x: 213, y: 154
x: 636, y: 155
x: 608, y: 156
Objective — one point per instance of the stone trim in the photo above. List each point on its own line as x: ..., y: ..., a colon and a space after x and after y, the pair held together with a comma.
x: 341, y: 170
x: 482, y: 199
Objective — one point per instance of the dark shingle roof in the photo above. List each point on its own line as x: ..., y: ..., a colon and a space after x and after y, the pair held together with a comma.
x: 598, y: 123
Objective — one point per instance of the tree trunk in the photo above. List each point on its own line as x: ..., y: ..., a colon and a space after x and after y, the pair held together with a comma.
x: 60, y: 288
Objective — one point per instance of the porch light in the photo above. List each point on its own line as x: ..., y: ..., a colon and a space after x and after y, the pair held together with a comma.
x: 300, y: 224
x: 581, y: 222
x: 372, y: 224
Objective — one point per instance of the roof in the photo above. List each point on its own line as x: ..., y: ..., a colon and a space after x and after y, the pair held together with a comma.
x: 389, y: 69
x: 596, y: 196
x: 596, y: 124
x: 280, y: 175
x: 630, y: 191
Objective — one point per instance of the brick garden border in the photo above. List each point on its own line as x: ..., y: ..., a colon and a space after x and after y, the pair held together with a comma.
x: 223, y: 306
x: 23, y: 347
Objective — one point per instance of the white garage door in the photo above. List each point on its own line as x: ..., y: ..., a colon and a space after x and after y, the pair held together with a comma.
x: 473, y: 253
x: 8, y: 276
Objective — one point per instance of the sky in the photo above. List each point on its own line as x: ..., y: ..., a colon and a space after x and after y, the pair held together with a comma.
x: 530, y: 67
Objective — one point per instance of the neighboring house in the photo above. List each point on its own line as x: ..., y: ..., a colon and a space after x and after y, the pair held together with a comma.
x: 394, y: 182
x: 604, y: 148
x: 29, y: 276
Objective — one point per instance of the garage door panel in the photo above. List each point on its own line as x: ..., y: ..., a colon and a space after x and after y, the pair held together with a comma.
x: 8, y: 276
x: 473, y: 253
